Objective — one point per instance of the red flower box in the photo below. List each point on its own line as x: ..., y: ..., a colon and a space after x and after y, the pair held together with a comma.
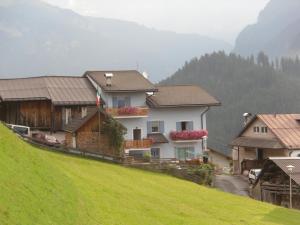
x: 188, y: 135
x: 128, y: 111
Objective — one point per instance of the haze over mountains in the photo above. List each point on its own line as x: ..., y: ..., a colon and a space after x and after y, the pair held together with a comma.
x: 37, y: 39
x: 276, y: 33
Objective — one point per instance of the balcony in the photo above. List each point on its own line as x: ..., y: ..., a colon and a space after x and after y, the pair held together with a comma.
x: 128, y: 112
x: 138, y: 144
x: 188, y: 135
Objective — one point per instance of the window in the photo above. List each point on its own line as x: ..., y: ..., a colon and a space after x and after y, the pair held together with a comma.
x: 83, y: 112
x: 120, y: 102
x: 184, y: 125
x: 256, y: 129
x: 264, y: 129
x: 155, y: 127
x: 185, y: 153
x: 155, y: 153
x: 68, y: 115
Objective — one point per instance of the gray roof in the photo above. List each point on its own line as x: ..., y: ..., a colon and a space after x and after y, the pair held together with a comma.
x: 283, y: 162
x: 257, y: 143
x: 61, y: 90
x: 181, y: 95
x: 158, y: 138
x: 122, y: 81
x: 76, y: 124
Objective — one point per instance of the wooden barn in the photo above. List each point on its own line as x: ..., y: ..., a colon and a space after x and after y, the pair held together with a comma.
x: 84, y: 133
x: 45, y: 103
x: 273, y: 183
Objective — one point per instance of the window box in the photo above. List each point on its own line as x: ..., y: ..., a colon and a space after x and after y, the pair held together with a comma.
x: 128, y: 112
x: 188, y: 135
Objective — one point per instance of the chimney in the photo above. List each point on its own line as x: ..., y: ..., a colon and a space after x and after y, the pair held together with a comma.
x: 108, y: 77
x: 247, y: 117
x: 145, y: 74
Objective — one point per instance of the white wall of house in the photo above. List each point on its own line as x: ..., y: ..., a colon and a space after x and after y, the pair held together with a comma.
x: 133, y: 123
x: 172, y: 115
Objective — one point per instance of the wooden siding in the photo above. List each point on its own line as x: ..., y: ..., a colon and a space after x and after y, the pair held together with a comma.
x: 35, y: 114
x: 88, y: 138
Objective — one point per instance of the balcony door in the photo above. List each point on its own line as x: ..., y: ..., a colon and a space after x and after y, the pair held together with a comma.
x: 137, y: 134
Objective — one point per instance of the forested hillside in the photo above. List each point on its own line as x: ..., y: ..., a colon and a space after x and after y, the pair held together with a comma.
x: 242, y: 85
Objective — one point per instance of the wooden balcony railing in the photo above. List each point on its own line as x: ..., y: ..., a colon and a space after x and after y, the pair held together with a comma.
x: 128, y: 111
x: 138, y: 144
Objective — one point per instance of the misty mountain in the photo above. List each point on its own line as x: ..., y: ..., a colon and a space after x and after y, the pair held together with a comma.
x: 241, y: 85
x: 277, y: 31
x: 37, y: 38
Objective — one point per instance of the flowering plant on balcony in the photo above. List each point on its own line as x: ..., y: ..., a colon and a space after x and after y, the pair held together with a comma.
x: 128, y: 111
x: 188, y: 134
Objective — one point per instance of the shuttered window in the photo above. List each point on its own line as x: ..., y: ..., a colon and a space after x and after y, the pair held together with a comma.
x: 155, y: 127
x: 184, y: 125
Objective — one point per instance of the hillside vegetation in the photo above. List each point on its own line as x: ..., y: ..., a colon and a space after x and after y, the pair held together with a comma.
x: 254, y: 85
x: 38, y: 187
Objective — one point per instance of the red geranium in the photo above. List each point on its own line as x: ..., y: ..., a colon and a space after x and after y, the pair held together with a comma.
x: 188, y: 134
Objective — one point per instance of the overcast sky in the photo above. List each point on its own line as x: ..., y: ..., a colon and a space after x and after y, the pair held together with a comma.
x: 222, y: 19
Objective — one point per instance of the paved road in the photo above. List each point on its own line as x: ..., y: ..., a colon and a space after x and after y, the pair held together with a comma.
x: 233, y: 184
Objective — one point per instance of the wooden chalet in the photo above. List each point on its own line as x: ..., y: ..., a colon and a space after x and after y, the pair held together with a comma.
x: 45, y: 103
x: 273, y: 184
x: 264, y: 136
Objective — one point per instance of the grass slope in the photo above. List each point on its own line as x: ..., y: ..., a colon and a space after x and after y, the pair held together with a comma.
x: 39, y: 187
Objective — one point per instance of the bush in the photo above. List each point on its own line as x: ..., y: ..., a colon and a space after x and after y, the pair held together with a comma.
x: 204, y: 172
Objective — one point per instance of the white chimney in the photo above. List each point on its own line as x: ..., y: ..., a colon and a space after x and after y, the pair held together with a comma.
x: 247, y: 117
x: 108, y: 77
x: 145, y: 74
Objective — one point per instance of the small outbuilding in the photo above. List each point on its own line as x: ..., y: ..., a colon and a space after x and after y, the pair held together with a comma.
x: 273, y: 183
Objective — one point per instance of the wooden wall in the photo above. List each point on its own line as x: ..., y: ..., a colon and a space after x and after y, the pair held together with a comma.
x: 88, y: 138
x: 35, y: 114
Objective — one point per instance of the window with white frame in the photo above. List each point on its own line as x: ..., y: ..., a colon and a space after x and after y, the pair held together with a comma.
x: 185, y: 153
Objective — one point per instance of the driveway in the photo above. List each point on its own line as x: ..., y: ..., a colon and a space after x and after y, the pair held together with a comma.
x: 236, y: 184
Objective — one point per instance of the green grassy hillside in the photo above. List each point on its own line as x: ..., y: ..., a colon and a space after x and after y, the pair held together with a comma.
x: 39, y: 187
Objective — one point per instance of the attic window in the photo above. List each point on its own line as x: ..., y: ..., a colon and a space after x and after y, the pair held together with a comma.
x: 256, y: 129
x: 264, y: 129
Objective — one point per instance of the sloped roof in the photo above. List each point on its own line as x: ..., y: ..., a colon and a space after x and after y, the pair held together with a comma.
x: 75, y: 124
x: 286, y: 127
x: 282, y: 163
x: 122, y: 81
x: 23, y: 88
x: 158, y: 138
x: 61, y: 90
x: 181, y: 95
x: 257, y: 143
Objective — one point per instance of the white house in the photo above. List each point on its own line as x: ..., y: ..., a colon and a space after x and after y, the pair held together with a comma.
x: 166, y: 121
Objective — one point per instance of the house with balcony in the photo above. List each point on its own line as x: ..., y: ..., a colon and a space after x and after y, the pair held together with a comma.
x: 124, y: 96
x: 264, y: 136
x: 161, y: 121
x: 177, y: 121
